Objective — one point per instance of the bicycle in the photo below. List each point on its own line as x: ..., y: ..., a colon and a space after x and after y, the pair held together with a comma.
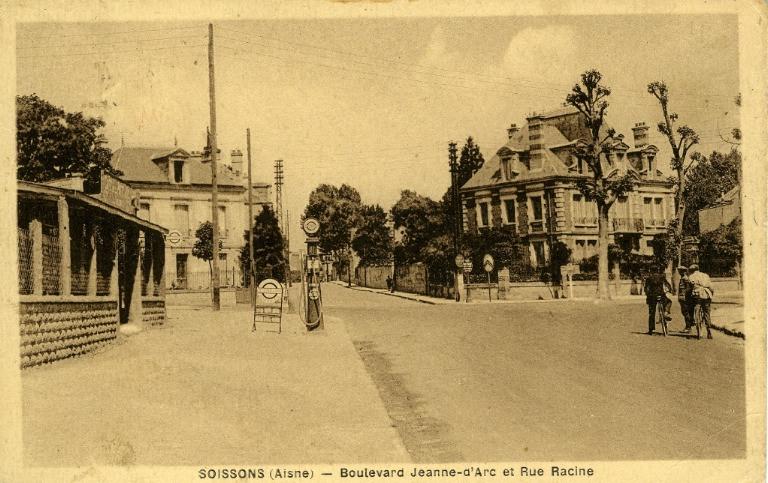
x: 698, y: 319
x: 660, y: 315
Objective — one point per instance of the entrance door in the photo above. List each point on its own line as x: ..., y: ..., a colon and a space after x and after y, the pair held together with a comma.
x: 181, y: 270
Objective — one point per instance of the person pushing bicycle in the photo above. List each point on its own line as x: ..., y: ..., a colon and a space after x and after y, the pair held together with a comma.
x: 656, y: 288
x: 702, y: 292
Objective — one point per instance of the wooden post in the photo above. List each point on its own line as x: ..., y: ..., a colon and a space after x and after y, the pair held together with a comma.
x: 36, y: 232
x: 149, y: 250
x: 65, y: 263
x: 214, y: 173
x: 92, y: 272
x: 135, y: 313
x: 114, y: 283
x: 251, y: 265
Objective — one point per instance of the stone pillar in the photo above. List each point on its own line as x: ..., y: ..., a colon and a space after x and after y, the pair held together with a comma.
x: 92, y: 272
x: 36, y: 232
x: 65, y: 264
x: 149, y: 252
x: 503, y: 283
x: 135, y: 310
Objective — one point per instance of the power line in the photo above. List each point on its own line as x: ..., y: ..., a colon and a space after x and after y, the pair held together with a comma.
x: 102, y: 34
x: 133, y: 51
x: 94, y: 44
x: 511, y: 82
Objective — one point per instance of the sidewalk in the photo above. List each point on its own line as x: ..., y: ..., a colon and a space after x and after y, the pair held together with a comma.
x: 205, y: 389
x: 727, y: 313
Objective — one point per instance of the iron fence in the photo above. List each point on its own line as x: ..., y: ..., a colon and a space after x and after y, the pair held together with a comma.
x: 202, y: 280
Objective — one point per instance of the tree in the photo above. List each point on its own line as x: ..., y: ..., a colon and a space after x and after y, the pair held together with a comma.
x: 53, y: 144
x: 338, y: 211
x: 203, y: 247
x: 605, y: 185
x: 372, y: 241
x: 268, y: 249
x: 681, y: 140
x: 706, y: 182
x: 721, y: 250
x: 423, y: 221
x: 470, y: 162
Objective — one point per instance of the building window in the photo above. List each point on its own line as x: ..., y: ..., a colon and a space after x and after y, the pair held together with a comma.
x: 509, y: 212
x: 222, y: 221
x: 483, y: 213
x: 653, y: 212
x: 538, y: 254
x: 144, y: 211
x: 536, y: 208
x: 224, y: 275
x: 584, y: 212
x: 584, y: 249
x: 181, y: 218
x: 178, y: 171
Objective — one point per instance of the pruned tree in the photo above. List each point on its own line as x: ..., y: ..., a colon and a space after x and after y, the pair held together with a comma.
x: 681, y: 139
x: 203, y: 247
x: 605, y: 185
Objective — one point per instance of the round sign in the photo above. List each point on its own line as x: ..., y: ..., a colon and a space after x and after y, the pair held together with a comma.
x: 314, y: 293
x: 270, y: 288
x: 311, y: 226
x: 459, y: 260
x: 174, y: 237
x: 488, y: 263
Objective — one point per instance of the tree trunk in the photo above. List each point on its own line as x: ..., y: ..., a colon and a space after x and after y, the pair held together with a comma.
x: 603, y: 292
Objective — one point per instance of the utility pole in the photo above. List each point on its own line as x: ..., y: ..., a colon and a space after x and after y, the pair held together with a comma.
x: 457, y: 222
x: 279, y: 202
x: 288, y: 247
x: 214, y: 183
x: 251, y: 265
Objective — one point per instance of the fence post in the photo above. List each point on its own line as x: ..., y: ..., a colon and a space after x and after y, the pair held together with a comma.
x: 65, y: 262
x: 36, y: 233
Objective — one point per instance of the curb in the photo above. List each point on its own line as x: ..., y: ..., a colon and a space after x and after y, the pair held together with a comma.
x: 727, y: 331
x: 404, y: 297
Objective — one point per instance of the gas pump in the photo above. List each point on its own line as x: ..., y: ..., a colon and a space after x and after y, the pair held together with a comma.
x: 311, y: 292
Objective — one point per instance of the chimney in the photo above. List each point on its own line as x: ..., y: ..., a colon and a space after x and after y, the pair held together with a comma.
x: 536, y: 145
x: 640, y: 133
x: 236, y: 160
x: 513, y: 129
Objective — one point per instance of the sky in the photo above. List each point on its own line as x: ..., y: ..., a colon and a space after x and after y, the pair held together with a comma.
x: 375, y: 102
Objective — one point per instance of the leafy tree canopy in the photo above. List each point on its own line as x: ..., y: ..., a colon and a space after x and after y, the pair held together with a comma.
x: 471, y: 160
x: 707, y: 181
x: 203, y: 247
x: 338, y: 211
x: 372, y: 241
x: 422, y: 219
x: 52, y: 143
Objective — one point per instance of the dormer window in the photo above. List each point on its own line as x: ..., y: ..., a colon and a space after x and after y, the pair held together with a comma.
x: 178, y: 171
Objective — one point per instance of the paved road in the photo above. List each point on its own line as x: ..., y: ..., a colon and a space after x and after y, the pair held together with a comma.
x: 546, y: 381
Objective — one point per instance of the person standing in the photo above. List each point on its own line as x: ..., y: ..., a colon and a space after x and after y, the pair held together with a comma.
x: 684, y: 297
x: 702, y: 292
x: 656, y: 287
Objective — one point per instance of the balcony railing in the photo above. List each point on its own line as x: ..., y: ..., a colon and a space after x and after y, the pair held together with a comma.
x: 536, y: 226
x: 657, y: 223
x: 585, y: 221
x: 628, y: 225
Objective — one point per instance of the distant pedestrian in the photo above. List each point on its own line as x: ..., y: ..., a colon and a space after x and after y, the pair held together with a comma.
x: 702, y: 292
x: 389, y: 283
x: 656, y: 289
x: 685, y: 297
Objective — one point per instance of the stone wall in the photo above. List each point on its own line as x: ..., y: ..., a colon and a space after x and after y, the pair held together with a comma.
x: 411, y: 278
x: 54, y: 330
x: 153, y: 310
x: 374, y: 277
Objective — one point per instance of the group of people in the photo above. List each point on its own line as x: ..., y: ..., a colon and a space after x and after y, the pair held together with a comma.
x: 695, y: 288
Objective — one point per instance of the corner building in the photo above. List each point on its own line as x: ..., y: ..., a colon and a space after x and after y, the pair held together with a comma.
x: 530, y: 185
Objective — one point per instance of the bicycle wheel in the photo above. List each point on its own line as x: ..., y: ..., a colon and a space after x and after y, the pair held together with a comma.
x: 660, y: 319
x: 697, y: 320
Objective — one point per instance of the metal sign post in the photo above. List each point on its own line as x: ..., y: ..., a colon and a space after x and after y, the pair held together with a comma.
x: 488, y: 267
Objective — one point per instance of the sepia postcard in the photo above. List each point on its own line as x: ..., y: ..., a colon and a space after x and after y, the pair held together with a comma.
x: 384, y: 241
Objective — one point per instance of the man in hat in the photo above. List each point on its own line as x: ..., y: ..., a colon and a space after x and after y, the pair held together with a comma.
x: 656, y: 287
x: 684, y: 296
x: 702, y: 293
